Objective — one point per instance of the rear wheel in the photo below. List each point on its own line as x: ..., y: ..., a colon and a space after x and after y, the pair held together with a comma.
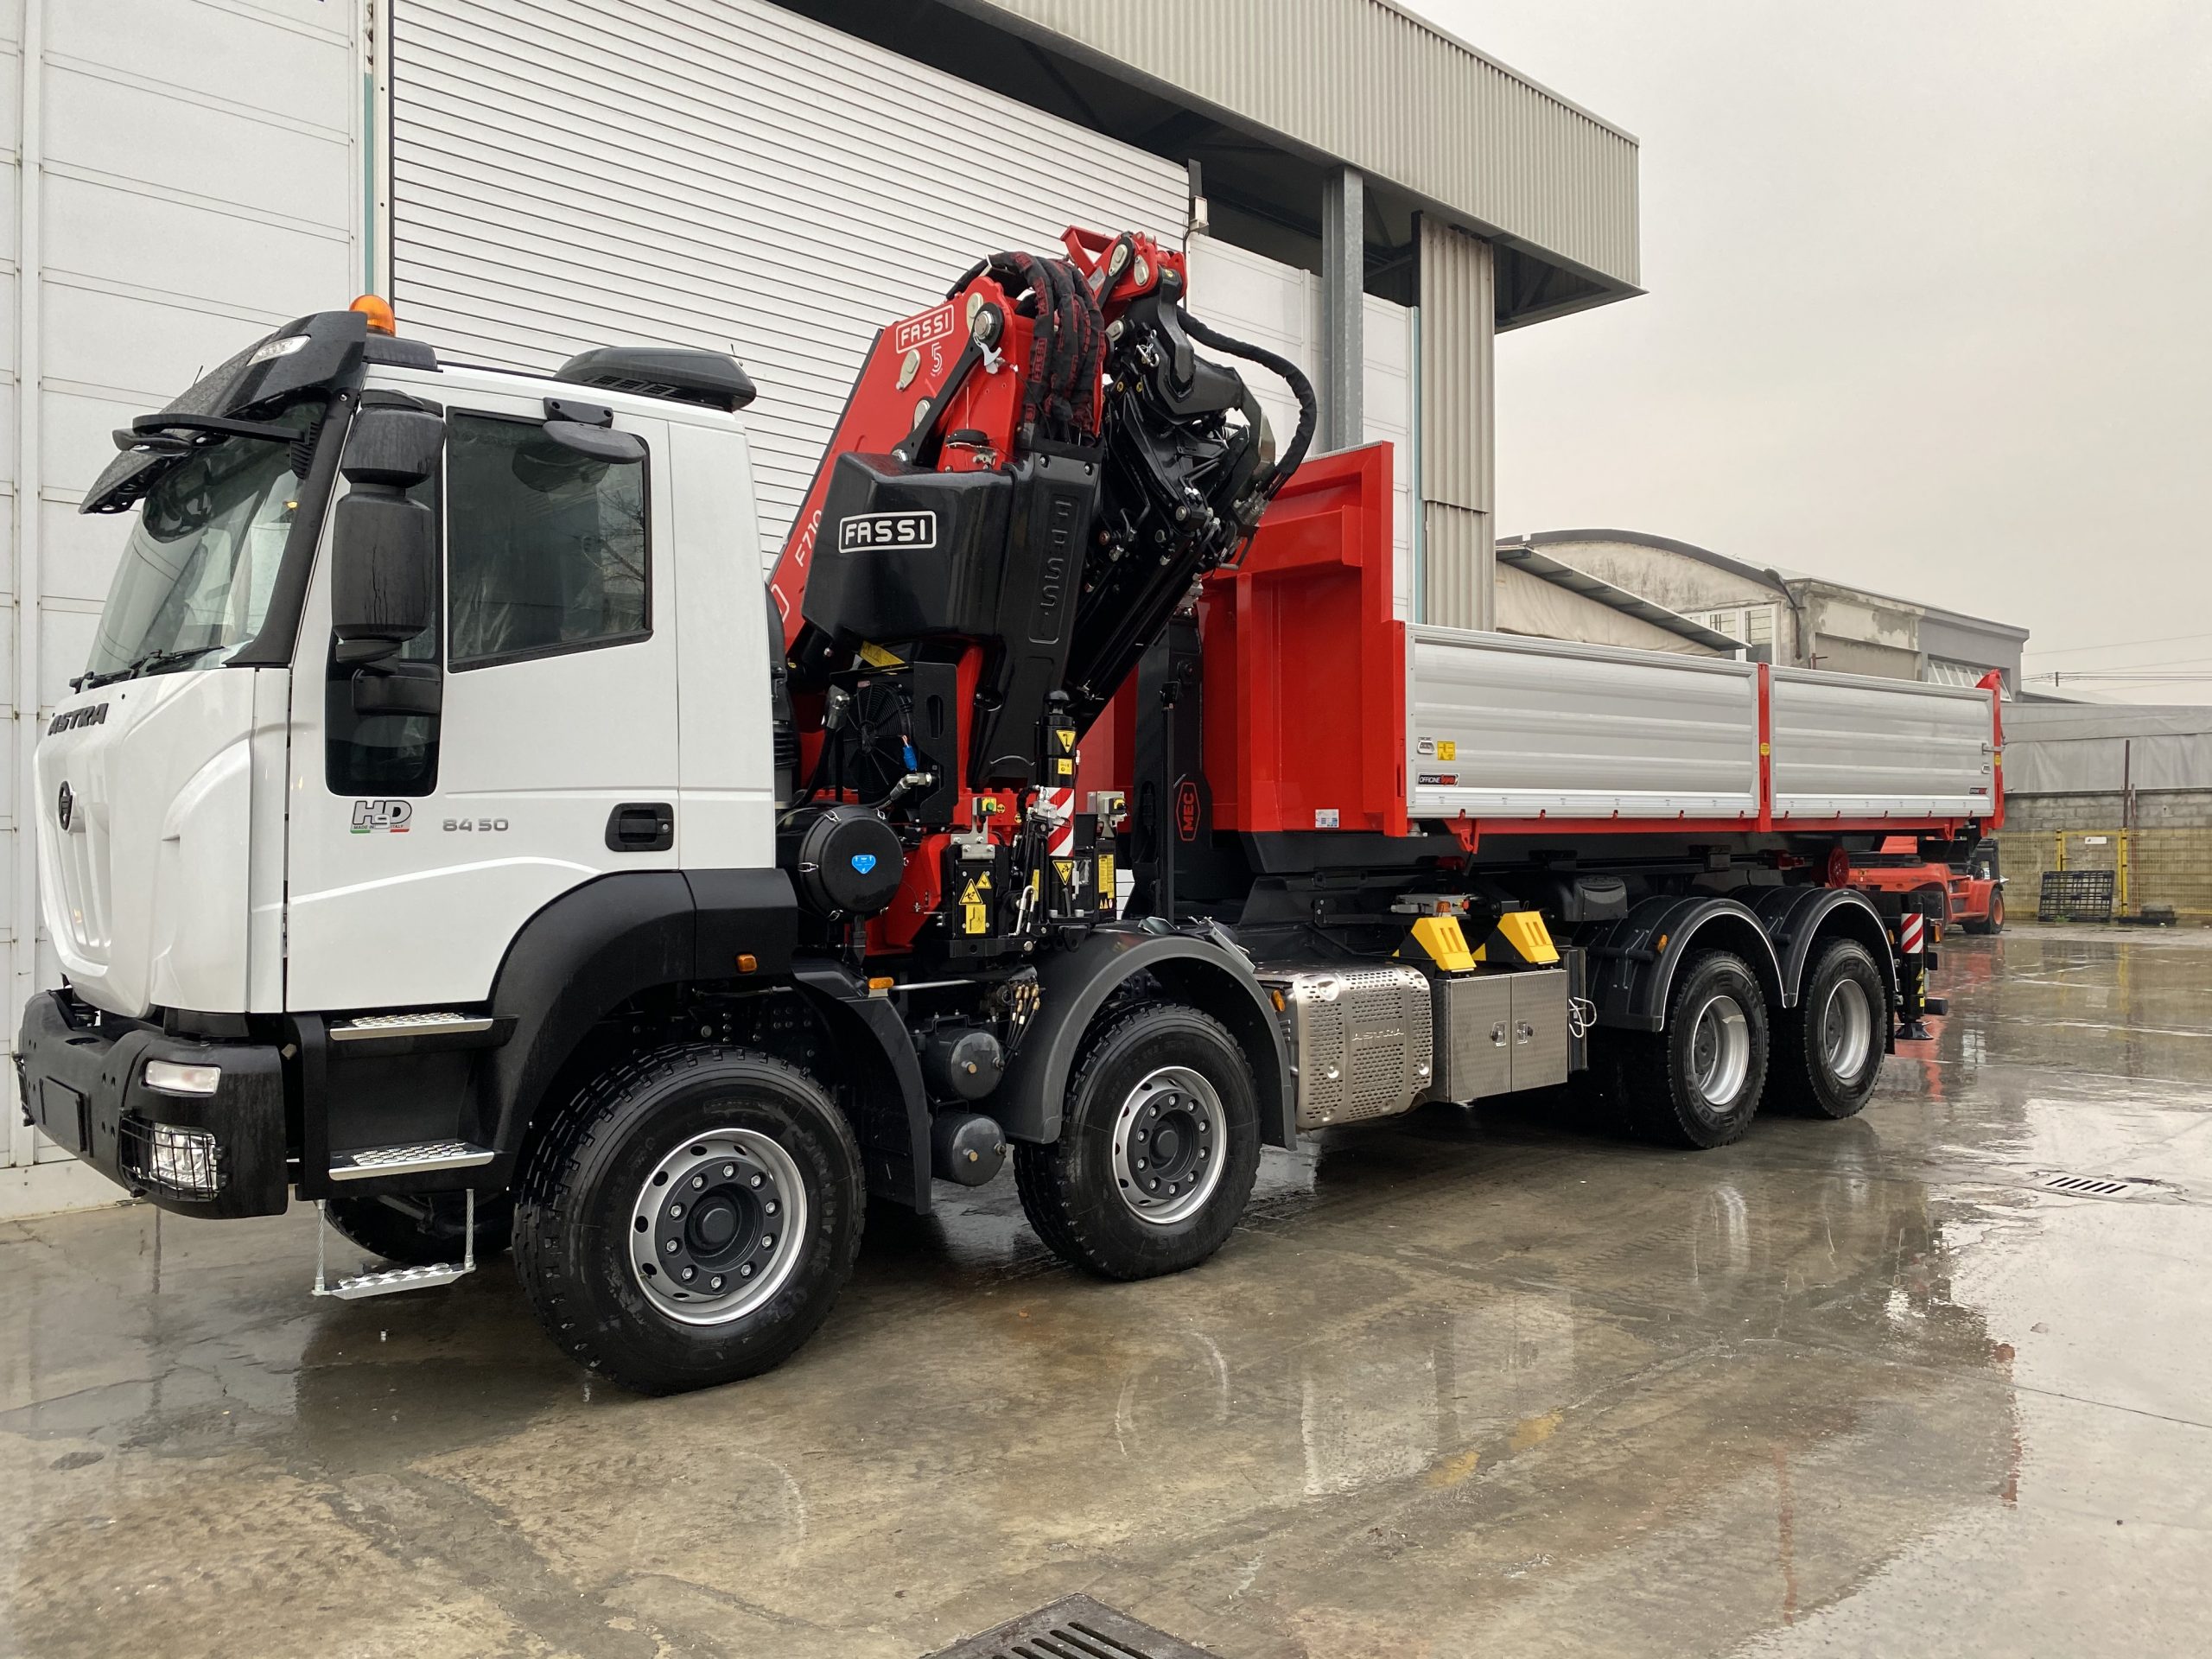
x: 1827, y: 1050
x: 1158, y: 1147
x: 1994, y: 922
x: 690, y: 1218
x: 1697, y: 1082
x: 423, y: 1231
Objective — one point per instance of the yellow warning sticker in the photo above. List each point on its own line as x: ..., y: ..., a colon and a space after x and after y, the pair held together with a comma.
x: 1066, y: 737
x: 1446, y: 750
x: 974, y: 908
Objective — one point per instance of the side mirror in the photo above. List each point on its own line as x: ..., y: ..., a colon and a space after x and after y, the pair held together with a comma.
x: 383, y: 582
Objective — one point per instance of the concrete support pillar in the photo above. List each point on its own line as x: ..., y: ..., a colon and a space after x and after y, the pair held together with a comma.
x: 1458, y: 433
x: 1344, y: 310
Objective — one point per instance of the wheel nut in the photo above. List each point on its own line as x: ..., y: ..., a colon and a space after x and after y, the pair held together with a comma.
x: 728, y: 1170
x: 688, y: 1275
x: 770, y: 1206
x: 698, y: 1182
x: 675, y: 1212
x: 756, y: 1180
x: 767, y: 1241
x: 714, y: 1283
x: 670, y: 1246
x: 745, y: 1272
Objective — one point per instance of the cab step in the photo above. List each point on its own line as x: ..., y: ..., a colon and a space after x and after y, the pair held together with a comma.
x: 382, y: 1035
x: 391, y: 1279
x: 370, y: 1026
x: 367, y: 1163
x: 384, y: 1281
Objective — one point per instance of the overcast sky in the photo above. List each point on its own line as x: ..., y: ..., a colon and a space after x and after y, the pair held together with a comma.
x: 1929, y: 307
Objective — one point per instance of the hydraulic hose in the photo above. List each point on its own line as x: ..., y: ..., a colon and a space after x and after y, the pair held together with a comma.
x: 1284, y: 370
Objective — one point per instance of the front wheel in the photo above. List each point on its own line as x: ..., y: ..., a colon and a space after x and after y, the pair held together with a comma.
x: 691, y: 1218
x: 1697, y: 1082
x: 1158, y: 1147
x: 1827, y: 1050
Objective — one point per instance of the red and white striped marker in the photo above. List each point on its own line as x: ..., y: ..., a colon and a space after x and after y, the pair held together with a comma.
x: 1912, y: 935
x: 1058, y: 808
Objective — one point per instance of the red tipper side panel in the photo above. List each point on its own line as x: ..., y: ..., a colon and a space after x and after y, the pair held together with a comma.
x: 1305, y: 663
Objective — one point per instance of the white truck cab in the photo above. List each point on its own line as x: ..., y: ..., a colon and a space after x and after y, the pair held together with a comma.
x: 303, y: 814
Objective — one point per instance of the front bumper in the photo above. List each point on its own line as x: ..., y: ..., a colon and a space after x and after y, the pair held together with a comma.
x: 217, y: 1155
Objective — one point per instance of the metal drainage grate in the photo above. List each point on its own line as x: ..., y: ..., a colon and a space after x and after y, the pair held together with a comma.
x: 1074, y: 1627
x: 2090, y: 1186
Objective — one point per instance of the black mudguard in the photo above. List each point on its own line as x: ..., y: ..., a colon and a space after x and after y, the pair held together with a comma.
x: 1200, y: 967
x: 1798, y: 919
x: 598, y: 945
x: 1633, y: 961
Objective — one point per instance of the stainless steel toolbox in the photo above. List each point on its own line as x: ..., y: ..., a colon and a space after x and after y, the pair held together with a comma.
x: 1497, y: 1032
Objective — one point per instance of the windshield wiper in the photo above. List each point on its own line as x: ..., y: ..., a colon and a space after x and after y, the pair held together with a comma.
x: 152, y: 663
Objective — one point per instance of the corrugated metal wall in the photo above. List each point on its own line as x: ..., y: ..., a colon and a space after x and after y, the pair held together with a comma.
x: 175, y: 180
x: 1375, y: 86
x: 731, y: 175
x: 1458, y: 437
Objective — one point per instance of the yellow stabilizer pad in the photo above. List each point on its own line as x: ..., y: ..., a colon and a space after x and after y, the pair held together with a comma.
x: 1525, y: 934
x: 1447, y: 945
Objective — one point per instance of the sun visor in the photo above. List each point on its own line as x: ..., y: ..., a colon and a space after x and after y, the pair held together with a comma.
x: 315, y: 354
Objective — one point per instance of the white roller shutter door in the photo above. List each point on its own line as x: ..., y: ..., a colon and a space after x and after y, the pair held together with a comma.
x: 722, y: 173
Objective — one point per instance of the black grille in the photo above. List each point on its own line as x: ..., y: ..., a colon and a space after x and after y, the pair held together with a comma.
x: 1075, y: 1627
x: 2075, y: 896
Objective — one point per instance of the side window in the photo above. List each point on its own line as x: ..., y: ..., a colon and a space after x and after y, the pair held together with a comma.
x: 545, y: 548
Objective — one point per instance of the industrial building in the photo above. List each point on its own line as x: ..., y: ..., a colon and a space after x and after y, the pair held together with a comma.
x: 1778, y: 615
x: 528, y: 178
x: 2123, y: 787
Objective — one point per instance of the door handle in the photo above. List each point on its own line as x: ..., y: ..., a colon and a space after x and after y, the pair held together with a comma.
x: 641, y: 827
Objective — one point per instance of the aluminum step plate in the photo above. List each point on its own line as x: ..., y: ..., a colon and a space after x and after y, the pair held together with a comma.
x: 393, y: 1279
x: 369, y: 1161
x: 409, y: 1025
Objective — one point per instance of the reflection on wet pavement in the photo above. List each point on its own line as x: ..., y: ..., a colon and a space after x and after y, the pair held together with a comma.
x: 1469, y: 1383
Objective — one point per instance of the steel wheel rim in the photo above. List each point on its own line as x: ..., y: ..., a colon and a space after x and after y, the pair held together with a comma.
x: 1846, y: 1028
x: 1169, y: 1146
x: 1720, y: 1051
x: 732, y: 1204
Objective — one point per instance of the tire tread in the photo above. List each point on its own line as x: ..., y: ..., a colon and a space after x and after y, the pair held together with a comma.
x: 545, y: 1199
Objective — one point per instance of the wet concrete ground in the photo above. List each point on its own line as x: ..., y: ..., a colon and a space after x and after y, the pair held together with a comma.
x: 1475, y: 1383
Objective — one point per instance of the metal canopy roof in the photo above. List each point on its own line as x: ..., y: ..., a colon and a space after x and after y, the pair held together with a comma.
x: 1522, y: 556
x: 1268, y: 94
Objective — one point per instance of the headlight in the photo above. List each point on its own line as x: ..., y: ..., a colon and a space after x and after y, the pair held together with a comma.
x: 173, y: 1078
x: 184, y: 1163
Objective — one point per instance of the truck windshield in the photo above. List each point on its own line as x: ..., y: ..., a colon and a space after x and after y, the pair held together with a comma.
x: 195, y: 577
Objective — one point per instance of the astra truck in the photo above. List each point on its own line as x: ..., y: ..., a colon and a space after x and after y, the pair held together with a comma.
x: 452, y: 831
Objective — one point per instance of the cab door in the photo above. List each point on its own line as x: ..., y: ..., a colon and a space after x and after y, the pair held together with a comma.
x: 420, y: 843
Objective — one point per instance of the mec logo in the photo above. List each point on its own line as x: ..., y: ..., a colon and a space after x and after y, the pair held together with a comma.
x: 382, y: 815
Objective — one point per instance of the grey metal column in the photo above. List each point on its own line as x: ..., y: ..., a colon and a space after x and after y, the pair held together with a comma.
x: 1458, y: 476
x: 1344, y: 309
